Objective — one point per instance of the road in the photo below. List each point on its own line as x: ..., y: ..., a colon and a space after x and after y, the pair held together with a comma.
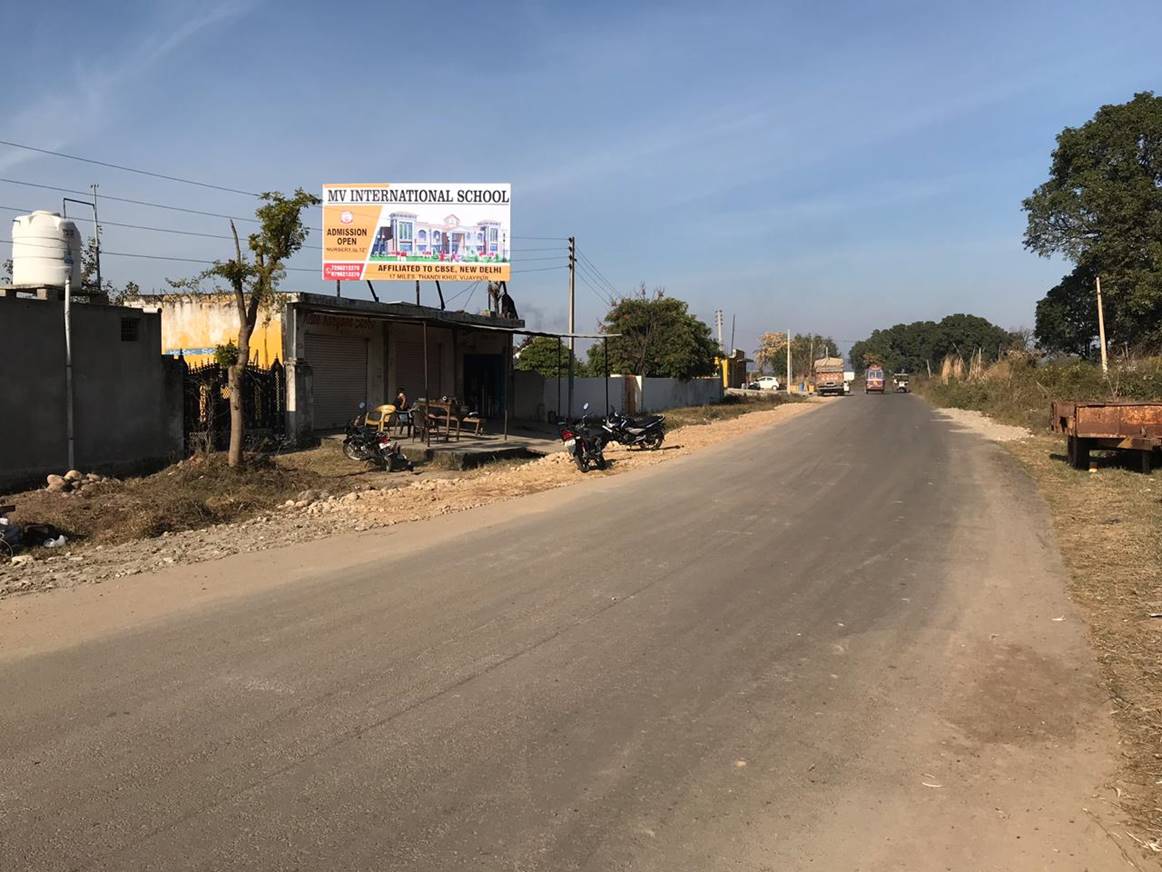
x: 840, y: 643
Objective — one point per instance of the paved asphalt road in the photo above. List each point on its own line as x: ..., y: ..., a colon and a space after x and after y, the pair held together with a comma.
x: 829, y: 645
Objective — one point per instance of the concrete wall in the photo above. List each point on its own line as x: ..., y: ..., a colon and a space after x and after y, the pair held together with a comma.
x: 127, y: 418
x: 537, y: 398
x: 659, y: 394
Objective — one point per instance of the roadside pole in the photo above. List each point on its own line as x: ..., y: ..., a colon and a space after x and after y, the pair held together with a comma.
x: 572, y: 300
x: 69, y: 424
x: 788, y: 363
x: 1101, y: 328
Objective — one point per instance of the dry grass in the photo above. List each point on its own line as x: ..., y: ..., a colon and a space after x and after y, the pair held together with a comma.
x: 1017, y: 391
x: 731, y: 407
x: 1108, y: 525
x: 198, y: 492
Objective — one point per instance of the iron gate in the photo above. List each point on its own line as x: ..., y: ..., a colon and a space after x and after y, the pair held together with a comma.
x: 206, y: 406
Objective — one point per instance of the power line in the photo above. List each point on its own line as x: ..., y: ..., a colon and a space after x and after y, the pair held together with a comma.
x: 585, y: 271
x: 538, y: 269
x: 600, y: 274
x: 126, y: 169
x: 602, y: 297
x: 140, y: 202
x: 173, y: 230
x: 543, y: 238
x: 463, y: 291
x: 155, y: 256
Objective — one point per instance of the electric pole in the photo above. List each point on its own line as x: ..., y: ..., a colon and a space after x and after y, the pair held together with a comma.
x: 718, y: 323
x: 572, y: 315
x: 97, y: 237
x: 788, y: 361
x: 1101, y: 328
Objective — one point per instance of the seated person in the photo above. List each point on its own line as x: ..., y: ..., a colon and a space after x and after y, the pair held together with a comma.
x: 403, y: 409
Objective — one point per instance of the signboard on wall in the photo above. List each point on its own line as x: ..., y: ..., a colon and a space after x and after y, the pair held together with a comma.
x: 414, y: 230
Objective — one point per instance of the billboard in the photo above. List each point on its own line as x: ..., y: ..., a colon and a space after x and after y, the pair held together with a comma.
x: 413, y: 230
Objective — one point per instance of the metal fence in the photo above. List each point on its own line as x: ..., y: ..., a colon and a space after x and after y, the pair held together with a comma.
x: 206, y: 406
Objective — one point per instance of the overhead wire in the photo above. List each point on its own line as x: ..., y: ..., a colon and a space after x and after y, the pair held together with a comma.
x: 539, y: 269
x: 105, y: 223
x: 589, y: 262
x: 601, y: 296
x: 151, y: 256
x: 128, y: 169
x: 133, y: 202
x: 610, y: 298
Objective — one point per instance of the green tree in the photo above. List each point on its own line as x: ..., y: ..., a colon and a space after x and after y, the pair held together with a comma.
x: 1102, y: 209
x: 1067, y: 315
x: 89, y: 269
x: 913, y: 347
x: 541, y: 354
x: 253, y: 280
x: 658, y: 337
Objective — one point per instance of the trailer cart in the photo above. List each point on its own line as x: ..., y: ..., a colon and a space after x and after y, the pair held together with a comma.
x: 1121, y: 426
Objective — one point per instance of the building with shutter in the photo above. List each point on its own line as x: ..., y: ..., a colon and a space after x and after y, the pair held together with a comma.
x: 340, y: 352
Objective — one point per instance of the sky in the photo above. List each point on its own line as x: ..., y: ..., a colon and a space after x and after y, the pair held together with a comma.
x: 831, y: 167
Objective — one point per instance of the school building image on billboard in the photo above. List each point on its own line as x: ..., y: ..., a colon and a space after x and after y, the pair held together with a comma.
x: 407, y: 236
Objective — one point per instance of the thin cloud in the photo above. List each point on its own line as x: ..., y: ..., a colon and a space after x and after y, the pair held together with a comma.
x: 85, y: 102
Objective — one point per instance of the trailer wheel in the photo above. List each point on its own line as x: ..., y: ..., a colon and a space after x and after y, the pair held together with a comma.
x: 1078, y: 452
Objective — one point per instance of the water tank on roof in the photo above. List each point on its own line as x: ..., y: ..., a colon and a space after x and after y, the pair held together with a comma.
x: 46, y: 249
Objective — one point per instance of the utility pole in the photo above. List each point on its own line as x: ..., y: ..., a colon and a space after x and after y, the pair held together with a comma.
x: 1101, y: 329
x: 97, y: 236
x: 788, y: 361
x: 572, y: 316
x: 718, y: 322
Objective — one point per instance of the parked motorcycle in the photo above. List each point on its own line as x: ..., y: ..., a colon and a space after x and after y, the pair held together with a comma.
x: 369, y: 445
x: 647, y: 432
x: 583, y: 442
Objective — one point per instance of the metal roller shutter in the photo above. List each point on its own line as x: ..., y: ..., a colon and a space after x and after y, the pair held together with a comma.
x: 338, y: 377
x: 409, y: 368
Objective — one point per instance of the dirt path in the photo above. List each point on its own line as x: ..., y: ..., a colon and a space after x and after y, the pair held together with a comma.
x: 362, y: 510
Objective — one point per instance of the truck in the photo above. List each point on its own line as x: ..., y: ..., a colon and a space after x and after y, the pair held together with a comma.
x: 829, y: 376
x: 874, y: 380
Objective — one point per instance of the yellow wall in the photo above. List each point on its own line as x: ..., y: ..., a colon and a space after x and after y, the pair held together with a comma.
x: 194, y: 325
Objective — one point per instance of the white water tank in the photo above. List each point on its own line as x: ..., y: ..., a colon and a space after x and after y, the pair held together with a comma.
x: 46, y: 249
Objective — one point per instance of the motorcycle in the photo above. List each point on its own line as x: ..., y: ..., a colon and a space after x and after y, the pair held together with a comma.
x: 367, y: 444
x: 645, y: 432
x: 583, y: 445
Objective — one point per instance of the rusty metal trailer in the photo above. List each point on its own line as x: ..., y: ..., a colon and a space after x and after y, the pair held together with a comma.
x: 1122, y: 426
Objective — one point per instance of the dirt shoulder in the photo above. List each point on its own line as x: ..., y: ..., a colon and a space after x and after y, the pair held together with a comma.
x: 1107, y: 525
x: 368, y: 504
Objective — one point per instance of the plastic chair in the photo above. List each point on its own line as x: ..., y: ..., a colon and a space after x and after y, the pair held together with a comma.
x: 379, y: 417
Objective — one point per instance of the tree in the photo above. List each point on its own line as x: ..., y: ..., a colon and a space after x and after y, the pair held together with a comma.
x: 1102, y: 209
x: 1067, y: 315
x: 89, y: 269
x: 658, y: 337
x: 806, y: 348
x: 541, y: 353
x: 253, y: 281
x: 912, y: 347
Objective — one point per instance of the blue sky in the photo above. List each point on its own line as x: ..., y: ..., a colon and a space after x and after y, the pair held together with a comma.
x: 820, y: 166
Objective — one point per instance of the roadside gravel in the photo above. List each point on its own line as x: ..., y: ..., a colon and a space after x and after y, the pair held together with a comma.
x: 312, y: 518
x: 981, y: 423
